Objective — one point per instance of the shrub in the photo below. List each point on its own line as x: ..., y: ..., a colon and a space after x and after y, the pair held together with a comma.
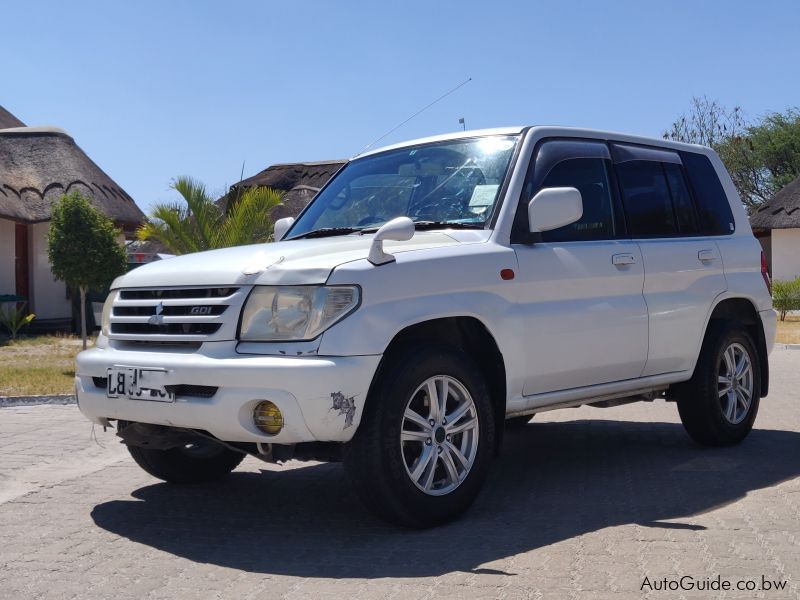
x: 786, y: 296
x: 14, y: 318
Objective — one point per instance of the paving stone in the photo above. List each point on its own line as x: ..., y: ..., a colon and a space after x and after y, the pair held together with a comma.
x: 582, y: 503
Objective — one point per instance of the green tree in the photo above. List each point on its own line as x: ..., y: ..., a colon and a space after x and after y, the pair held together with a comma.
x: 786, y: 296
x: 765, y: 158
x: 83, y: 249
x: 198, y: 223
x: 761, y: 156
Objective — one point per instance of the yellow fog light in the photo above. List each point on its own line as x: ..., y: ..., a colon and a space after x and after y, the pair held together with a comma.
x: 267, y: 417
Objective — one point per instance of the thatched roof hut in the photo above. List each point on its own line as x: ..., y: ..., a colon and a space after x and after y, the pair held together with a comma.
x: 8, y: 120
x: 782, y: 211
x: 300, y: 182
x: 40, y: 164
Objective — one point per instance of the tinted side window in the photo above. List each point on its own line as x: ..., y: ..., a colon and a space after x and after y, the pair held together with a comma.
x: 590, y: 177
x: 715, y: 213
x: 646, y: 197
x: 681, y: 199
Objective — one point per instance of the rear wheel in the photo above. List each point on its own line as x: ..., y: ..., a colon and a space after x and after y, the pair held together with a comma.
x: 202, y: 461
x: 719, y: 404
x: 423, y: 448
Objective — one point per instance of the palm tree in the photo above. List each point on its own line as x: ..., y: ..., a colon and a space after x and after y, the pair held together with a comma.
x: 198, y: 223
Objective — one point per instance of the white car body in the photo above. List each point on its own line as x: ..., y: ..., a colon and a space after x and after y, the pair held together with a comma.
x: 573, y: 326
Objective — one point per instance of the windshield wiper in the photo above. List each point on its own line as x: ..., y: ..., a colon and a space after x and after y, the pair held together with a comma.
x: 423, y: 225
x: 326, y: 232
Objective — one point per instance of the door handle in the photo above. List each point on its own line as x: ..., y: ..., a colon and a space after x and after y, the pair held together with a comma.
x: 706, y: 255
x: 623, y: 259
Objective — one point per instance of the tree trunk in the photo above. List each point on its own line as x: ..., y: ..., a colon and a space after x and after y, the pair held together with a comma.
x: 83, y: 315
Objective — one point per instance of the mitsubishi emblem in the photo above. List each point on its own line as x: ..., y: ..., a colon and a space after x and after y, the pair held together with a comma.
x: 158, y: 318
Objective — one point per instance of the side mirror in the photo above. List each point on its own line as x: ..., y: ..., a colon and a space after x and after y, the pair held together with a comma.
x: 554, y: 207
x: 281, y: 227
x: 399, y: 230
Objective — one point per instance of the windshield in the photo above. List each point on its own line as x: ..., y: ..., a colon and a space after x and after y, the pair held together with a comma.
x: 454, y: 182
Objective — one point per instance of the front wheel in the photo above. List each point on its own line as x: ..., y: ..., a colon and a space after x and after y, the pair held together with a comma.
x: 422, y: 450
x: 718, y: 405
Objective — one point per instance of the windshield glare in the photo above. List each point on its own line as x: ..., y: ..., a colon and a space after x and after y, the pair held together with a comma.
x: 454, y: 182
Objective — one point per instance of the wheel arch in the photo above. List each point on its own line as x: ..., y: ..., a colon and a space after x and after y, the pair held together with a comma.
x: 744, y: 311
x: 466, y: 333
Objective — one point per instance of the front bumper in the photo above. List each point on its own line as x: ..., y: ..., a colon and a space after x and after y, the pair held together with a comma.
x: 303, y: 387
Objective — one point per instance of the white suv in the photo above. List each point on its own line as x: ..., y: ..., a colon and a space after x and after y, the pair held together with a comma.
x: 432, y: 293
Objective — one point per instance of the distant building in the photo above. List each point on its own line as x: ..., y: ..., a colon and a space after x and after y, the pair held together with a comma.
x: 776, y: 224
x: 299, y: 182
x: 37, y: 166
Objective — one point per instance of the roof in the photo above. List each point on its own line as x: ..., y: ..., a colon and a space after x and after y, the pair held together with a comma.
x: 445, y: 137
x: 40, y: 164
x: 287, y: 176
x: 782, y: 211
x: 9, y: 120
x: 299, y: 183
x: 546, y: 131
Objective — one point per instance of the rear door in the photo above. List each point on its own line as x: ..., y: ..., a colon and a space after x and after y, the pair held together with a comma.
x: 579, y: 286
x: 682, y: 263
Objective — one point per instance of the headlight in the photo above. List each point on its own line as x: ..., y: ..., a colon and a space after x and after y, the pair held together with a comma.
x: 105, y: 321
x: 295, y: 313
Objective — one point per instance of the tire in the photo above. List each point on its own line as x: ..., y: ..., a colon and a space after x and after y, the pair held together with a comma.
x: 205, y: 461
x: 518, y: 422
x: 711, y: 416
x: 420, y: 481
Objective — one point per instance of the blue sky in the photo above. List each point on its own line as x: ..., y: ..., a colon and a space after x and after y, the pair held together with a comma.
x: 153, y: 89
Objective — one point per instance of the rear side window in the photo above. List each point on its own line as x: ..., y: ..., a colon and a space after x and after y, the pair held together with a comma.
x: 647, y: 200
x: 712, y: 203
x: 681, y: 199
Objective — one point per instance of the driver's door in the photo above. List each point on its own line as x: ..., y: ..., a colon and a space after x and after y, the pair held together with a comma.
x: 581, y: 285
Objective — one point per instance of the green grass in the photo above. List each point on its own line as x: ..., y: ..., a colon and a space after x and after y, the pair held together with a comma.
x: 38, y: 365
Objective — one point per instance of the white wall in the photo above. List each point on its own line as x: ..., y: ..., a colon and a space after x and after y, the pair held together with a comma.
x: 49, y: 296
x: 785, y: 253
x: 7, y: 278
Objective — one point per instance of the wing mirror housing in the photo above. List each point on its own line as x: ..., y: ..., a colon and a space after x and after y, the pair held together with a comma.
x: 398, y: 230
x: 281, y: 227
x: 555, y: 207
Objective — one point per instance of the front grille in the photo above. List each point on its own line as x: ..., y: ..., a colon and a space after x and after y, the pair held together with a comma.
x: 167, y: 314
x: 171, y: 293
x: 166, y: 329
x: 168, y: 311
x: 196, y: 391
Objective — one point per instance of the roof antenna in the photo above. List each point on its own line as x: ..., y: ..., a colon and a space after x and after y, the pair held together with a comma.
x: 420, y: 111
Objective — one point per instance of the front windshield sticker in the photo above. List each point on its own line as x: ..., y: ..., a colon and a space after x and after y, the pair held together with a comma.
x: 483, y: 196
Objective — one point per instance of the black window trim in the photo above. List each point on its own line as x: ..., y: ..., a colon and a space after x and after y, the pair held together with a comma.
x: 519, y: 227
x: 703, y: 227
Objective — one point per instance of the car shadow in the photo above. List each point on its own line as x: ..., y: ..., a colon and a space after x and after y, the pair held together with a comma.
x: 553, y: 481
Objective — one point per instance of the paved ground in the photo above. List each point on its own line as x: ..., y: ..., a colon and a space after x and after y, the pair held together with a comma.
x: 584, y: 503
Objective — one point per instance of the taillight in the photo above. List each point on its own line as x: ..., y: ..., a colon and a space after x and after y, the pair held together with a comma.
x: 765, y: 273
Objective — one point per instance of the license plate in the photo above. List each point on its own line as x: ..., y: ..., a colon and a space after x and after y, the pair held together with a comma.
x: 138, y: 384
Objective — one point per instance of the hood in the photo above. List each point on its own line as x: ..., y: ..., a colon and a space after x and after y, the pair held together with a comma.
x: 293, y: 262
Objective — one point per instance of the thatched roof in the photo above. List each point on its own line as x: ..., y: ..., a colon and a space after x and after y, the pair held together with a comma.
x: 8, y: 120
x: 299, y: 182
x: 39, y: 164
x: 782, y: 211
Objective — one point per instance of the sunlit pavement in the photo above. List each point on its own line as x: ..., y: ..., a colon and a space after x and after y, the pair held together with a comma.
x: 583, y: 503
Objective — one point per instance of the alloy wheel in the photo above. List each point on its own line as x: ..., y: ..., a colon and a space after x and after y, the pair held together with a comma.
x: 439, y: 435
